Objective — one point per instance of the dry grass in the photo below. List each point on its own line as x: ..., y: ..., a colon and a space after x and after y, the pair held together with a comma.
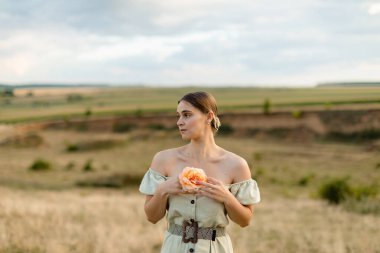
x: 114, y: 222
x: 79, y: 221
x: 284, y: 225
x: 44, y: 212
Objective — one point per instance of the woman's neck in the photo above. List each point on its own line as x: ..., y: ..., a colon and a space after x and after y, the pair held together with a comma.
x: 202, y: 148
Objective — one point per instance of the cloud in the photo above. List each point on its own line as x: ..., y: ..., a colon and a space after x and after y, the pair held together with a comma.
x: 348, y: 71
x: 190, y: 41
x: 374, y: 9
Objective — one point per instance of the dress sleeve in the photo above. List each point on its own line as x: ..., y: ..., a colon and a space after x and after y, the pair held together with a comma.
x: 246, y: 192
x: 150, y: 182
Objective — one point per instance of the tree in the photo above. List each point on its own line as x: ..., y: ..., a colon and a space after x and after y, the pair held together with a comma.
x: 267, y: 106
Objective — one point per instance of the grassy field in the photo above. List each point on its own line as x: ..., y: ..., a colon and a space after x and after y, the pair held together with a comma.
x: 45, y: 211
x: 42, y: 104
x: 107, y: 221
x: 272, y: 162
x: 81, y: 194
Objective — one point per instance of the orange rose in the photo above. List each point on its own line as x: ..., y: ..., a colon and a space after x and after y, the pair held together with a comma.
x: 189, y: 176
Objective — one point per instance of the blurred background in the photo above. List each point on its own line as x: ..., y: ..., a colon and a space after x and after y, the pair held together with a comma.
x: 88, y: 95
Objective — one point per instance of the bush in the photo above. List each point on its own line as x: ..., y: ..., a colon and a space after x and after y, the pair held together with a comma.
x: 360, y: 199
x: 40, y: 165
x: 7, y: 93
x: 113, y: 181
x: 138, y: 112
x: 29, y: 140
x: 88, y: 166
x: 297, y: 114
x: 304, y: 181
x: 156, y: 127
x: 335, y: 190
x: 123, y: 127
x: 279, y: 133
x: 225, y: 129
x: 71, y: 98
x: 360, y: 136
x: 365, y: 192
x: 72, y: 148
x: 88, y: 112
x: 267, y: 106
x: 94, y: 145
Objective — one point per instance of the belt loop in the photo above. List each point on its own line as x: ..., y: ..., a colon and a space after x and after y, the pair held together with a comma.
x: 213, y: 235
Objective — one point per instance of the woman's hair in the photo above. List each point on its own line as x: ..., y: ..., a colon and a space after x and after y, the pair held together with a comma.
x: 205, y: 102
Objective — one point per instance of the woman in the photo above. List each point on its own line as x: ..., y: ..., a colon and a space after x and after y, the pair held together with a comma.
x: 197, y: 219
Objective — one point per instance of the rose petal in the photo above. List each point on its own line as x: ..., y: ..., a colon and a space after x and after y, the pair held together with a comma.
x: 189, y: 177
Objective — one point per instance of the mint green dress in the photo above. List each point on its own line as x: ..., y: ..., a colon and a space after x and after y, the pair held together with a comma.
x: 208, y: 213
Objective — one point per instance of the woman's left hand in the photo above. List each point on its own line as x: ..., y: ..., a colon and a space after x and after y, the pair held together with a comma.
x: 215, y: 189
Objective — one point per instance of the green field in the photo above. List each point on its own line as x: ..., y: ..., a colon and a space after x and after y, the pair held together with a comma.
x: 75, y: 191
x: 125, y: 101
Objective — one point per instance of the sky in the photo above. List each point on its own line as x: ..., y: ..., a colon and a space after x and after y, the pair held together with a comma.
x: 189, y: 42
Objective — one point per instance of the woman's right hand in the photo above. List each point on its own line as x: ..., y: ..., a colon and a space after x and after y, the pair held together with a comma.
x: 170, y: 187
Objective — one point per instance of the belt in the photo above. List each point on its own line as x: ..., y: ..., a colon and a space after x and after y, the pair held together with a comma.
x: 190, y: 231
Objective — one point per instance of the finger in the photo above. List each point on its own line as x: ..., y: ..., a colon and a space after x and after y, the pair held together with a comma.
x: 208, y: 194
x: 214, y: 181
x: 205, y: 184
x: 205, y: 189
x: 209, y: 190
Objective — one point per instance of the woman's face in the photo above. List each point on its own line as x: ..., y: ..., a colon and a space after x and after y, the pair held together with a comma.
x: 192, y: 123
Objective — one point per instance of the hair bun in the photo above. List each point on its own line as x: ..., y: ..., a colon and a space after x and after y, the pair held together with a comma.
x: 216, y: 123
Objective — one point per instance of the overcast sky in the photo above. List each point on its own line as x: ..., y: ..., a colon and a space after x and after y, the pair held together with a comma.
x: 182, y: 42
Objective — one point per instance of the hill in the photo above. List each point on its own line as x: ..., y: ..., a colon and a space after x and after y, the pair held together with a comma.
x: 349, y: 84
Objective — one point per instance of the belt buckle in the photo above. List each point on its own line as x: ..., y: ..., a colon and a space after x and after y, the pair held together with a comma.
x: 190, y: 231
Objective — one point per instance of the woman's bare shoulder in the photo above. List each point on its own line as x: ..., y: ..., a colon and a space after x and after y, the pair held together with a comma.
x: 164, y: 159
x: 239, y: 167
